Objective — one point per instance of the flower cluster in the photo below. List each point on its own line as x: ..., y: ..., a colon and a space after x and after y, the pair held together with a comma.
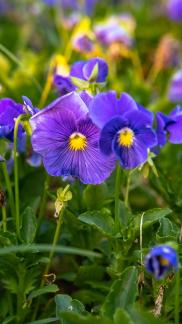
x: 83, y: 135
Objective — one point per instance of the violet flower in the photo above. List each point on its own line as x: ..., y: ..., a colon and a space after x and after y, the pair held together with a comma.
x: 169, y: 127
x: 9, y: 111
x: 93, y: 70
x: 126, y: 128
x: 68, y: 141
x: 160, y: 260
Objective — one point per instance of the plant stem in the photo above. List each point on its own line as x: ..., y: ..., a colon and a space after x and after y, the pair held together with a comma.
x: 17, y: 206
x: 55, y: 240
x: 127, y: 189
x: 9, y: 188
x: 4, y: 219
x: 117, y: 194
x: 51, y: 254
x: 43, y: 200
x: 177, y: 299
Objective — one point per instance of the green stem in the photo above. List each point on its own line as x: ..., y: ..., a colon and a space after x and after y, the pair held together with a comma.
x: 127, y: 189
x: 17, y: 206
x: 117, y: 194
x: 51, y: 254
x: 177, y: 298
x: 9, y: 188
x: 4, y: 219
x: 55, y: 240
x: 43, y: 200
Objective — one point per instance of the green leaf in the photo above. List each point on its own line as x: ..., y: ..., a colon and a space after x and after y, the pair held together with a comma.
x: 45, y: 321
x: 92, y: 272
x: 167, y: 231
x: 81, y: 84
x: 29, y: 225
x: 66, y: 303
x: 121, y: 316
x: 74, y: 318
x: 150, y: 217
x: 99, y: 219
x: 44, y: 290
x: 36, y: 248
x: 94, y: 196
x: 122, y: 293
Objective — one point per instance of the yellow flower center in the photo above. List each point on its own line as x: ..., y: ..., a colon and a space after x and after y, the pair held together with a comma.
x: 77, y: 142
x: 164, y: 262
x: 126, y: 137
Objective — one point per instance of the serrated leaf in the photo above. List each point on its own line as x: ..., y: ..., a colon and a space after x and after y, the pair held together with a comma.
x: 66, y: 303
x: 101, y: 220
x: 123, y: 292
x: 29, y: 225
x: 150, y: 217
x: 167, y: 231
x: 44, y: 290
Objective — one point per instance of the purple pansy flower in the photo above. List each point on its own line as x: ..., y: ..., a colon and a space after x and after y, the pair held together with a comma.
x: 9, y: 111
x: 82, y: 70
x: 63, y: 84
x: 174, y: 10
x: 126, y: 128
x: 160, y: 260
x: 170, y: 125
x: 175, y: 90
x: 68, y: 141
x: 114, y: 31
x: 83, y: 43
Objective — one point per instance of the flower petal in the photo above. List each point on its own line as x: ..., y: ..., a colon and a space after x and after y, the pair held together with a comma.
x: 130, y: 157
x: 70, y: 102
x: 108, y: 133
x: 77, y: 70
x: 102, y: 69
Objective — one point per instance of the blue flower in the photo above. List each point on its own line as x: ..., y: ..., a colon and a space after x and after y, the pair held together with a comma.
x: 9, y: 111
x: 93, y: 70
x: 68, y: 141
x: 29, y: 106
x: 169, y: 127
x: 160, y: 260
x: 126, y: 128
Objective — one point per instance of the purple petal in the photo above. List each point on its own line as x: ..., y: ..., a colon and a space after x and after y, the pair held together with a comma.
x: 90, y: 166
x: 70, y: 102
x: 86, y: 97
x: 109, y: 132
x: 63, y: 84
x: 51, y: 131
x: 106, y: 106
x: 28, y: 106
x: 175, y: 131
x: 77, y: 70
x: 102, y: 69
x: 130, y: 157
